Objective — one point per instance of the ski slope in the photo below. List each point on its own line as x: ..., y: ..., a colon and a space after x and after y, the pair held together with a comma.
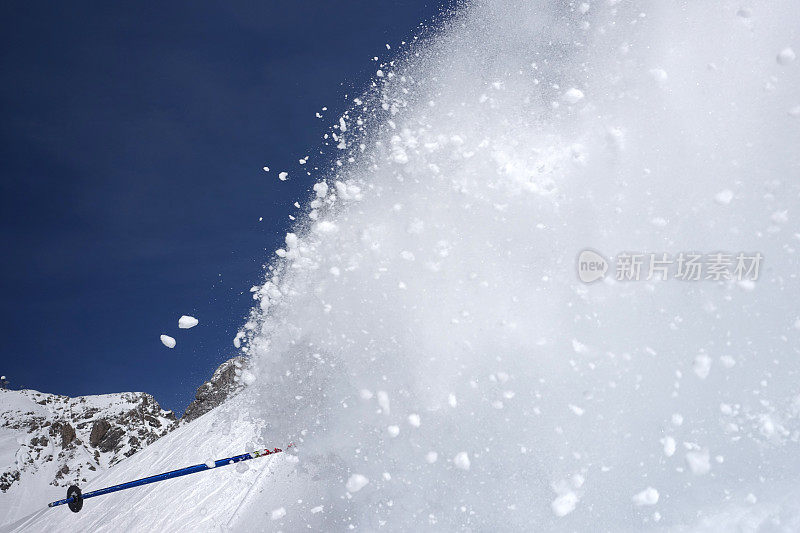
x: 209, y: 501
x: 423, y: 337
x: 46, y: 441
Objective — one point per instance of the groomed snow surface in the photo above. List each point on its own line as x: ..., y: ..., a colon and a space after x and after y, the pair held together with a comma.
x: 423, y: 337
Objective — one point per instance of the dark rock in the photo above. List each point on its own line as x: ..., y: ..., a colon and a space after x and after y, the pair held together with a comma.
x: 67, y: 434
x: 111, y: 440
x: 7, y: 479
x: 99, y: 430
x: 40, y: 441
x: 223, y: 384
x: 63, y: 471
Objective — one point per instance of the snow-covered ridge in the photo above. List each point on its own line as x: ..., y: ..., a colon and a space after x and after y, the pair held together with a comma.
x: 48, y: 442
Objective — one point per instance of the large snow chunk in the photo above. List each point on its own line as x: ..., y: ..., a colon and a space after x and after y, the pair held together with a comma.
x: 168, y: 341
x: 461, y: 460
x: 356, y: 482
x: 648, y: 496
x: 564, y: 504
x: 187, y: 322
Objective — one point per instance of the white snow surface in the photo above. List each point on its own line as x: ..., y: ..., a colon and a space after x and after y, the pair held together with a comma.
x: 448, y: 290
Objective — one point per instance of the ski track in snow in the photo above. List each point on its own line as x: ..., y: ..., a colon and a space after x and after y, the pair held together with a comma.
x: 432, y: 274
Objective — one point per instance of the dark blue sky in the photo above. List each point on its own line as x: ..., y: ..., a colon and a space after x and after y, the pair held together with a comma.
x: 133, y: 136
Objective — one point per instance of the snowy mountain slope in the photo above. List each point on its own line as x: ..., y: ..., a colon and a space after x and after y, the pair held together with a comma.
x: 425, y: 341
x: 48, y: 442
x: 208, y: 501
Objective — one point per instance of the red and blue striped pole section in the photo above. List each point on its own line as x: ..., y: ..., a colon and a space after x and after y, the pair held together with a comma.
x: 75, y: 499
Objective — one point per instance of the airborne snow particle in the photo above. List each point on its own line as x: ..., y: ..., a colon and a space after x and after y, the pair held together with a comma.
x: 279, y: 513
x: 564, y: 504
x: 356, y: 482
x: 669, y: 446
x: 321, y: 188
x: 461, y: 460
x: 248, y: 378
x: 724, y: 197
x: 573, y: 96
x: 578, y: 346
x: 658, y: 74
x: 365, y: 394
x: 325, y: 226
x: 414, y: 420
x: 431, y: 457
x: 648, y: 496
x: 453, y: 402
x: 576, y: 410
x: 383, y: 401
x: 393, y: 431
x: 747, y: 284
x: 780, y: 217
x: 186, y: 322
x: 786, y: 56
x: 168, y: 341
x: 702, y: 365
x: 283, y: 176
x: 698, y: 462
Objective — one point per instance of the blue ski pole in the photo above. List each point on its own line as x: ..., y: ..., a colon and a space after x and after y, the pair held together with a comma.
x: 74, y: 499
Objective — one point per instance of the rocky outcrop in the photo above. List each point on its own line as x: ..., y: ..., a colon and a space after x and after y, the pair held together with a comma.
x: 66, y: 440
x: 225, y: 382
x: 69, y: 440
x: 99, y: 430
x: 67, y: 435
